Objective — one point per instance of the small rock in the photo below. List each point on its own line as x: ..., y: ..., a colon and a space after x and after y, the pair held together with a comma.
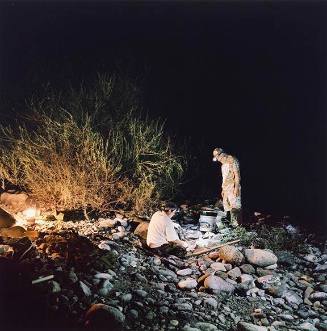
x: 189, y: 328
x: 173, y: 322
x: 218, y: 284
x: 182, y: 306
x: 156, y: 260
x: 306, y: 326
x: 203, y: 326
x: 55, y: 287
x: 107, y: 223
x: 286, y: 317
x: 264, y: 279
x: 133, y: 314
x: 185, y: 272
x: 271, y: 267
x: 247, y: 269
x: 218, y: 266
x: 141, y: 293
x: 243, y: 326
x: 211, y: 302
x: 291, y: 297
x: 86, y: 290
x: 322, y: 326
x: 234, y: 273
x: 103, y: 275
x: 245, y: 278
x: 188, y: 283
x: 126, y: 298
x: 263, y: 272
x: 72, y: 276
x: 318, y: 296
x: 213, y: 255
x: 101, y: 316
x: 321, y: 268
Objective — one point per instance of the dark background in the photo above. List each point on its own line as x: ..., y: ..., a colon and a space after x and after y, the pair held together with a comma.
x: 246, y: 76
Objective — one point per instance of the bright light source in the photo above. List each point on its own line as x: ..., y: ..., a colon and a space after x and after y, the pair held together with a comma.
x: 29, y: 213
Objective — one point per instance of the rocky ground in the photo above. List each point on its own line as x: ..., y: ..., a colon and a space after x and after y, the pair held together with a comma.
x: 97, y: 275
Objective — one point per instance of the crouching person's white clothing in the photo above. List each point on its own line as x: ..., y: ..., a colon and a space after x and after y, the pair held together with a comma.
x: 161, y: 230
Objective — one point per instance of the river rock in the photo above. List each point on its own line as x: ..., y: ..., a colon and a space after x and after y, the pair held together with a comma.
x: 218, y: 266
x: 243, y: 326
x: 292, y: 297
x: 183, y: 306
x: 15, y: 201
x: 185, y: 272
x: 247, y: 269
x: 321, y: 268
x: 245, y: 278
x: 306, y: 326
x: 107, y: 223
x: 234, y: 273
x: 213, y: 255
x: 125, y: 298
x: 141, y: 293
x: 101, y: 317
x: 188, y: 283
x: 217, y: 284
x: 230, y: 254
x: 142, y: 230
x: 260, y: 257
x: 203, y: 326
x: 318, y: 296
x: 86, y: 290
x: 210, y: 302
x: 6, y: 220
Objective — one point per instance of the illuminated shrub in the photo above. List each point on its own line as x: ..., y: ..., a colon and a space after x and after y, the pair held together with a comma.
x: 90, y: 148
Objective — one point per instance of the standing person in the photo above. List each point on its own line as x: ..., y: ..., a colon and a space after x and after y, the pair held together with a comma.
x: 162, y: 237
x: 231, y: 184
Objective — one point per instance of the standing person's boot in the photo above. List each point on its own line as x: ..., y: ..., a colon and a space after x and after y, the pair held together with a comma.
x: 235, y: 217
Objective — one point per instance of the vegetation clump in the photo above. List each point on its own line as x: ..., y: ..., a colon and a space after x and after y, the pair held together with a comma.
x: 90, y: 148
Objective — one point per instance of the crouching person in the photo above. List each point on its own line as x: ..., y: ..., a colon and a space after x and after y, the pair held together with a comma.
x: 162, y: 237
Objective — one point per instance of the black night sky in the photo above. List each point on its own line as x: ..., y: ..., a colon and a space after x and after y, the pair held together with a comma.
x: 247, y: 76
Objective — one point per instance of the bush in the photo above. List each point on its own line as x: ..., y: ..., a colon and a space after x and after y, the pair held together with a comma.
x: 91, y: 148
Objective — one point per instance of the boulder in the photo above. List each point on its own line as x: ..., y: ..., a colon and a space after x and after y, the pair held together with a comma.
x: 230, y: 254
x: 142, y: 230
x: 13, y: 232
x: 6, y: 220
x: 260, y: 257
x: 15, y: 201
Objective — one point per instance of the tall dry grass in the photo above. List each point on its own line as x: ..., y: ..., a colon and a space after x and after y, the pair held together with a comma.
x: 91, y: 148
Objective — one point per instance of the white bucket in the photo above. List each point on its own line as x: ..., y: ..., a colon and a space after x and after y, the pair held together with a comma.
x: 207, y: 223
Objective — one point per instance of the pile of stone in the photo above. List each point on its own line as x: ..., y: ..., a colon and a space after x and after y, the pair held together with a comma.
x: 97, y: 273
